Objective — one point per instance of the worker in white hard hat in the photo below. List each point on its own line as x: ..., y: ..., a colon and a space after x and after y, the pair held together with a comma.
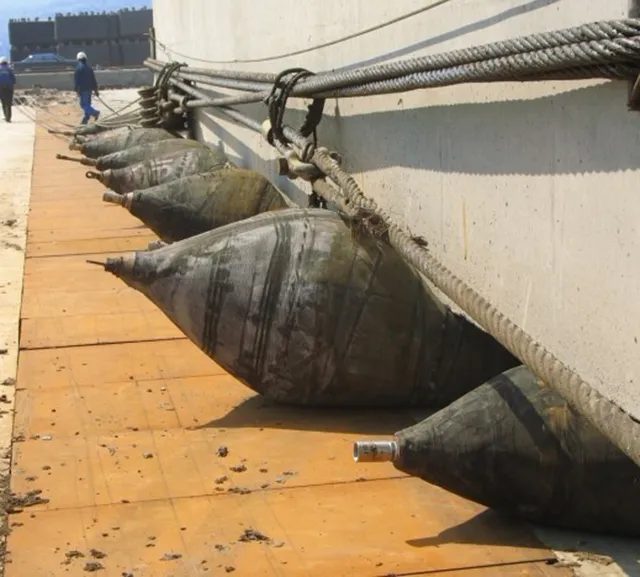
x: 7, y: 85
x: 85, y: 84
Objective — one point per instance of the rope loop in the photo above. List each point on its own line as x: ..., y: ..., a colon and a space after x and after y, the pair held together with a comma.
x: 164, y: 77
x: 277, y: 103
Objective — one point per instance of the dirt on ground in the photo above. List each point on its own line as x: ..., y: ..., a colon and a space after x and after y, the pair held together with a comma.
x: 47, y: 97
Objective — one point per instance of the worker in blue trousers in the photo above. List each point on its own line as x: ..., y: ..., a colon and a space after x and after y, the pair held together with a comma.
x: 7, y: 85
x: 85, y: 84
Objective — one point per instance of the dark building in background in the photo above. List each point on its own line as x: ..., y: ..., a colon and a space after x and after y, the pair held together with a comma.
x: 26, y: 35
x: 108, y: 39
x: 134, y: 24
x: 86, y: 27
x: 104, y: 54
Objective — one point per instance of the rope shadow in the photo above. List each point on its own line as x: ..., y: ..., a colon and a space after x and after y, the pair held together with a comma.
x: 453, y: 34
x: 587, y: 130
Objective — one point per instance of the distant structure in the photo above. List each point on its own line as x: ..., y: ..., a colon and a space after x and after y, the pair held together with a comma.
x: 109, y: 39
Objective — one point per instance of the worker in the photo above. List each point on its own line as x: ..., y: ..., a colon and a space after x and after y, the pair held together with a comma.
x: 85, y: 84
x: 7, y: 84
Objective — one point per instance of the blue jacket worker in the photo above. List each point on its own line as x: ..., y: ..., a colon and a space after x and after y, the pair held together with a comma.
x: 85, y: 83
x: 7, y: 84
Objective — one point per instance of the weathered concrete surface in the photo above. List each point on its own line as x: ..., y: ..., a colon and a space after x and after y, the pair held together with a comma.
x: 526, y: 191
x: 593, y: 555
x: 115, y: 78
x: 122, y: 438
x: 15, y: 187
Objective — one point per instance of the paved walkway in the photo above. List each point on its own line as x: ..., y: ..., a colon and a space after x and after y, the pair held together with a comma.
x: 120, y: 423
x: 15, y: 187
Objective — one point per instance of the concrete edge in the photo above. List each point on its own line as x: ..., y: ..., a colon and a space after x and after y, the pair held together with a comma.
x: 16, y: 176
x: 120, y: 78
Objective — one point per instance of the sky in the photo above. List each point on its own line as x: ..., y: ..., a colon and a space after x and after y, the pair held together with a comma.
x: 44, y: 8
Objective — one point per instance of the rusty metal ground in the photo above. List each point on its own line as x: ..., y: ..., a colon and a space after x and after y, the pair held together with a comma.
x: 119, y: 420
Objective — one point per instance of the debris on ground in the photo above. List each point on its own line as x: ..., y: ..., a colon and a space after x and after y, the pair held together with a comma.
x: 46, y: 97
x: 221, y: 480
x: 97, y: 554
x: 565, y: 564
x: 252, y: 535
x: 594, y: 558
x: 170, y: 556
x: 16, y: 503
x: 222, y: 451
x: 12, y: 245
x: 241, y: 468
x: 92, y: 566
x: 74, y: 554
x: 239, y: 490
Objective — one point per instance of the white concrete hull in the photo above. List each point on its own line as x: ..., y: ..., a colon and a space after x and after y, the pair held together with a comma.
x: 526, y: 191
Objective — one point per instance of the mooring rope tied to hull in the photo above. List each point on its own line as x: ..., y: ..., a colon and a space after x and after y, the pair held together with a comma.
x: 605, y: 49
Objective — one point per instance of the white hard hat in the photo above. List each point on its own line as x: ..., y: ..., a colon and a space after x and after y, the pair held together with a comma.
x: 3, y: 60
x: 81, y: 56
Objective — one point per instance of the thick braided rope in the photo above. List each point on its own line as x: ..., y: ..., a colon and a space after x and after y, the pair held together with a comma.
x: 617, y: 425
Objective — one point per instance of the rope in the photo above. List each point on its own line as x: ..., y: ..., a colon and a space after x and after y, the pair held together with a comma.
x: 162, y: 81
x: 25, y: 109
x: 277, y: 103
x: 239, y: 118
x: 106, y: 105
x: 169, y: 51
x: 114, y: 120
x: 620, y: 427
x: 606, y: 71
x: 601, y: 56
x: 32, y: 103
x: 249, y: 86
x: 118, y: 113
x: 609, y: 49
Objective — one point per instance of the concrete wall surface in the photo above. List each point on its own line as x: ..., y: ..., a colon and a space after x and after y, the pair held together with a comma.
x: 526, y: 191
x: 126, y: 78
